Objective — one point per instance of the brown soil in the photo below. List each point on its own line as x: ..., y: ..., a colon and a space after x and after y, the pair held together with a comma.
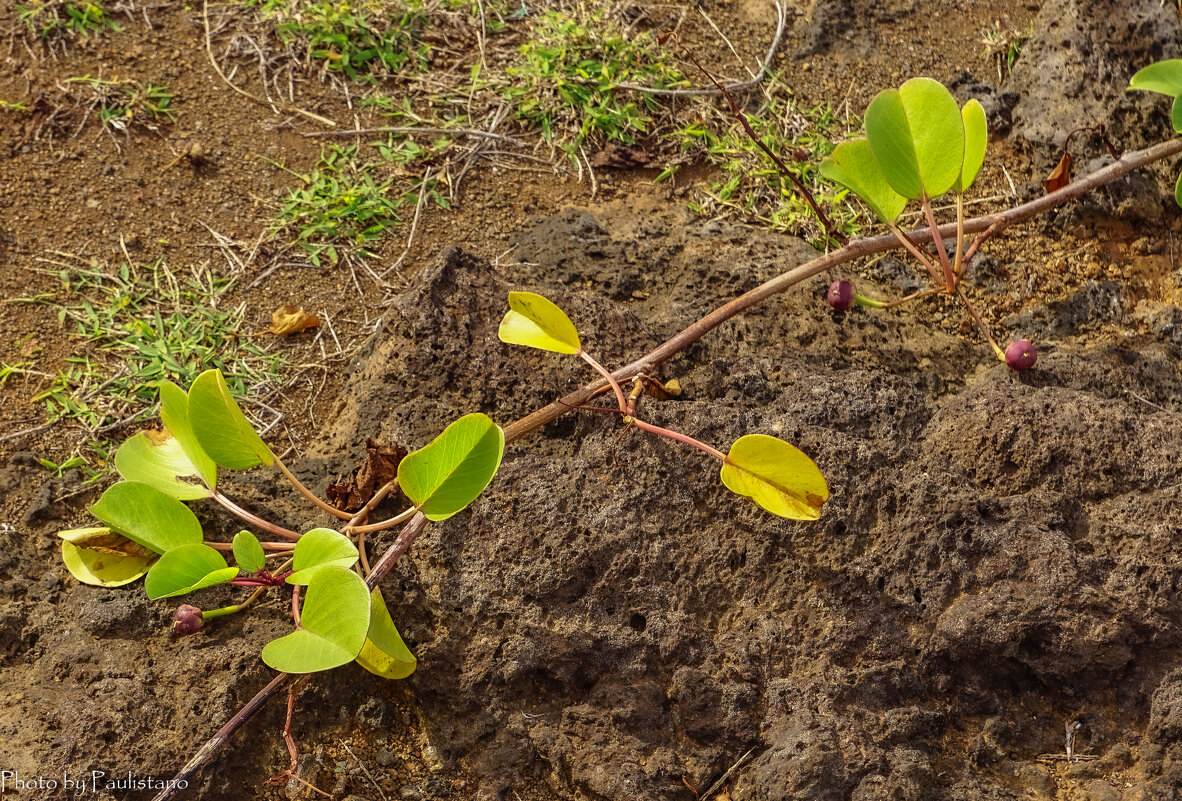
x: 998, y: 557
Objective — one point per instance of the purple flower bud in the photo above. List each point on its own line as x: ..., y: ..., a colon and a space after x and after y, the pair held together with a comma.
x: 187, y: 620
x: 841, y: 294
x: 1021, y: 355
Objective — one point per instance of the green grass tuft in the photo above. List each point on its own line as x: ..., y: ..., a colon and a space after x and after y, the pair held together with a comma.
x: 47, y: 19
x: 364, y: 41
x: 139, y: 324
x: 566, y: 82
x: 340, y: 206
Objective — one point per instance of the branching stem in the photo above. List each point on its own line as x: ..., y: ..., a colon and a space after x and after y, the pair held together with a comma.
x: 957, y: 265
x: 679, y: 342
x: 981, y: 324
x: 397, y: 519
x: 269, y: 546
x: 909, y: 244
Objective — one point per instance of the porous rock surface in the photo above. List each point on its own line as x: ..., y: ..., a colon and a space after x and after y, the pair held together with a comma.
x: 998, y: 555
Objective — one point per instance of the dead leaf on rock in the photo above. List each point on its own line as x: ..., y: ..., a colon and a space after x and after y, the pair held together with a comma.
x: 379, y: 467
x: 288, y: 319
x: 1060, y: 176
x: 668, y: 391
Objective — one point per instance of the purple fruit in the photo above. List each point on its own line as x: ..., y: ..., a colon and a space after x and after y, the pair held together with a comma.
x: 187, y: 620
x: 841, y: 294
x: 1021, y: 355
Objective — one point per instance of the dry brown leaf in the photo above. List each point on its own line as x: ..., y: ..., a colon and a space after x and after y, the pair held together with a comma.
x: 668, y: 391
x: 112, y: 543
x: 379, y: 467
x: 1060, y: 176
x: 288, y: 319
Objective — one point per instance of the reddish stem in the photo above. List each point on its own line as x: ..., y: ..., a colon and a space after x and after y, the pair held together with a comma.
x: 914, y: 250
x: 255, y: 520
x: 599, y: 368
x: 949, y: 277
x: 685, y: 439
x: 308, y: 494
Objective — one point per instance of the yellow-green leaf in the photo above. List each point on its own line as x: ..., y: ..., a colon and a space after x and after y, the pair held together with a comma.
x: 535, y: 322
x: 174, y: 413
x: 185, y: 569
x: 852, y: 164
x: 448, y: 473
x: 917, y: 135
x: 332, y: 626
x: 157, y: 458
x: 1161, y: 76
x: 384, y: 653
x: 221, y: 428
x: 103, y: 558
x: 976, y: 140
x: 147, y: 516
x: 775, y: 475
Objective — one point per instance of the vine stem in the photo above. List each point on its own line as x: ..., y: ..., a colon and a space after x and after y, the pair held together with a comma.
x: 307, y: 493
x: 984, y: 329
x: 401, y: 517
x: 914, y: 250
x: 676, y: 344
x: 255, y: 520
x: 958, y: 265
x: 269, y: 546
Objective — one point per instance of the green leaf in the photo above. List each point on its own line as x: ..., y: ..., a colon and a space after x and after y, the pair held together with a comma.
x: 535, y: 322
x: 447, y: 474
x: 333, y: 625
x: 318, y: 549
x: 1164, y: 77
x: 1176, y: 114
x: 220, y: 426
x: 103, y: 558
x: 917, y: 135
x: 776, y: 476
x: 852, y: 165
x: 157, y: 458
x: 174, y: 413
x: 248, y: 553
x: 147, y: 516
x: 976, y: 140
x: 185, y: 569
x: 1178, y: 191
x: 384, y: 653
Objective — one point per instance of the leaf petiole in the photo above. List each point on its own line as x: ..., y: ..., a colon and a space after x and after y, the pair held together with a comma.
x: 615, y: 385
x: 254, y: 519
x: 677, y: 436
x: 308, y: 494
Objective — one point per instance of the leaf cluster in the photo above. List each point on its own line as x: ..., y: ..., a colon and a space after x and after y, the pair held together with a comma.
x: 147, y: 530
x: 772, y: 473
x: 919, y: 145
